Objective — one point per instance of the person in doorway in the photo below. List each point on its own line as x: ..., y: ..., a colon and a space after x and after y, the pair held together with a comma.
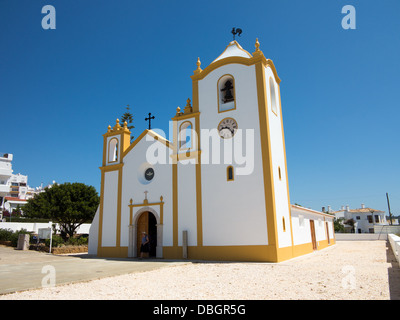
x: 144, y: 247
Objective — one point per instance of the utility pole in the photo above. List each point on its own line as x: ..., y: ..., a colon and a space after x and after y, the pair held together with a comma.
x: 390, y: 213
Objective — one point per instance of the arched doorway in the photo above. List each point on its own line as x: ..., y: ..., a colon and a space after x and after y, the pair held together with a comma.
x: 147, y: 222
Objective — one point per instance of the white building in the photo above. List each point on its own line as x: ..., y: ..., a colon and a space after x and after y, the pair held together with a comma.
x: 14, y: 188
x: 365, y: 218
x: 218, y: 187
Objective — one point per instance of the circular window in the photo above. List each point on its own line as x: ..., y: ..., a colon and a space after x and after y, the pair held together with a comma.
x: 145, y: 173
x: 149, y: 174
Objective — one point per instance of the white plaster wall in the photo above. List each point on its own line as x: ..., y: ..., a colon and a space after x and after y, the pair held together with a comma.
x: 233, y: 211
x: 94, y: 234
x: 302, y: 235
x: 278, y: 161
x: 160, y: 185
x: 187, y: 218
x: 110, y: 209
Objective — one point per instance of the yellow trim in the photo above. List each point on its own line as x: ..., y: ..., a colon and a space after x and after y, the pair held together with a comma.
x: 186, y: 116
x: 101, y: 205
x: 112, y: 167
x: 239, y: 60
x: 266, y: 156
x: 199, y: 208
x: 146, y: 204
x: 234, y: 93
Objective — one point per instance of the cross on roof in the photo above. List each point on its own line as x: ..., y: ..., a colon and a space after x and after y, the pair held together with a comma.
x: 149, y: 119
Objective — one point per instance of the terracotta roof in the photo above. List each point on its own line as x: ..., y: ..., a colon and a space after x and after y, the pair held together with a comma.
x: 361, y: 210
x: 14, y: 199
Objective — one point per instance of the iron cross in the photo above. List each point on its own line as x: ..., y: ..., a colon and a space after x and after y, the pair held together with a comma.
x: 149, y: 119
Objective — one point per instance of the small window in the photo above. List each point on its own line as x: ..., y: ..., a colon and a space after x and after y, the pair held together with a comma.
x: 185, y: 135
x: 301, y: 221
x: 226, y: 93
x: 229, y: 174
x: 376, y: 219
x: 283, y: 224
x: 279, y: 172
x: 113, y: 150
x: 358, y: 217
x: 273, y: 96
x: 369, y: 219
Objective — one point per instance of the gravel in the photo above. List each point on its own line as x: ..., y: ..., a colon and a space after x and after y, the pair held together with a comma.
x: 360, y: 270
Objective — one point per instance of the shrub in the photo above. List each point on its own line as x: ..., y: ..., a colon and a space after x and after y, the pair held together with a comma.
x: 6, y: 234
x: 57, y: 241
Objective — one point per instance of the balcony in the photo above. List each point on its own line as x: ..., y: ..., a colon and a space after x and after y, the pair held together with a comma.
x: 4, y: 188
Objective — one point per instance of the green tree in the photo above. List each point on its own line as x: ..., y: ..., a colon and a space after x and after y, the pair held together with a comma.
x: 69, y: 204
x: 338, y: 225
x: 128, y: 117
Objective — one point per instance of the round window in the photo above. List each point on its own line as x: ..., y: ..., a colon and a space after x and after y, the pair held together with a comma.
x: 145, y: 173
x: 149, y: 174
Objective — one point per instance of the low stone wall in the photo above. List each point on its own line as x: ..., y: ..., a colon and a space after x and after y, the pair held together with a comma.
x: 360, y: 236
x: 395, y: 244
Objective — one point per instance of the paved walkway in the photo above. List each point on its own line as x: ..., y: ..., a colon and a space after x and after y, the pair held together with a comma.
x: 24, y: 270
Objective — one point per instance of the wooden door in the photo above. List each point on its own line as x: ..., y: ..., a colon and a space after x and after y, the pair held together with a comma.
x: 313, y: 239
x: 142, y: 226
x: 327, y: 232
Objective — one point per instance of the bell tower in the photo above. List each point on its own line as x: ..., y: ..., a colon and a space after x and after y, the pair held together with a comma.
x: 116, y: 141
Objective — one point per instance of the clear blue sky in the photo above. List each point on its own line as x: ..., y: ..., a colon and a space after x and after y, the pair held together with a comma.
x: 60, y: 89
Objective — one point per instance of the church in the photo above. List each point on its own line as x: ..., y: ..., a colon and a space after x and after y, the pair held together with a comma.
x: 217, y: 188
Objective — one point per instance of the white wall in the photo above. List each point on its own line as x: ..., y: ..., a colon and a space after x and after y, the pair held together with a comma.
x: 233, y: 211
x: 33, y: 227
x: 278, y: 161
x: 94, y: 234
x: 302, y: 234
x: 133, y: 186
x: 395, y: 244
x: 187, y: 216
x: 110, y: 209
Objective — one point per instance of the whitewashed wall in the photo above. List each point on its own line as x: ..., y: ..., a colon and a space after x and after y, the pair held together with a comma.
x: 33, y: 227
x: 233, y: 211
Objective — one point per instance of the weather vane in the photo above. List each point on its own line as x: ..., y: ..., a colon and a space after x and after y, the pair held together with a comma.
x: 236, y: 31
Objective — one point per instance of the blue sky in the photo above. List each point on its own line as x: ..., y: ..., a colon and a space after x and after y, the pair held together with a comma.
x: 60, y: 89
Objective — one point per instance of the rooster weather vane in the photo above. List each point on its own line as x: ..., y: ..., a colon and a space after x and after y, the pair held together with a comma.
x: 236, y: 31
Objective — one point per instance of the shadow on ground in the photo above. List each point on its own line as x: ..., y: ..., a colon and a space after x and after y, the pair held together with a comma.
x: 393, y: 273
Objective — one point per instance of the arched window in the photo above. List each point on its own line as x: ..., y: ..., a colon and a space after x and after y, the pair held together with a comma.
x: 185, y: 135
x: 274, y: 107
x: 113, y: 150
x: 226, y: 93
x: 230, y: 174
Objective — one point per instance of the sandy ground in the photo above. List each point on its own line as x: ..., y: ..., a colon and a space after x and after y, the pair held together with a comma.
x: 349, y: 270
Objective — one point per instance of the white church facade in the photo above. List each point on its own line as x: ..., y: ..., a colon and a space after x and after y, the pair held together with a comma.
x: 218, y: 188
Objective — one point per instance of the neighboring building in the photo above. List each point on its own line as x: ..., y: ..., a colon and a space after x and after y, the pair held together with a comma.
x: 193, y: 201
x: 14, y: 188
x: 364, y: 218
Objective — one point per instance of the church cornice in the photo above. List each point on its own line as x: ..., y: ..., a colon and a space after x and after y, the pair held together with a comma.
x: 257, y: 57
